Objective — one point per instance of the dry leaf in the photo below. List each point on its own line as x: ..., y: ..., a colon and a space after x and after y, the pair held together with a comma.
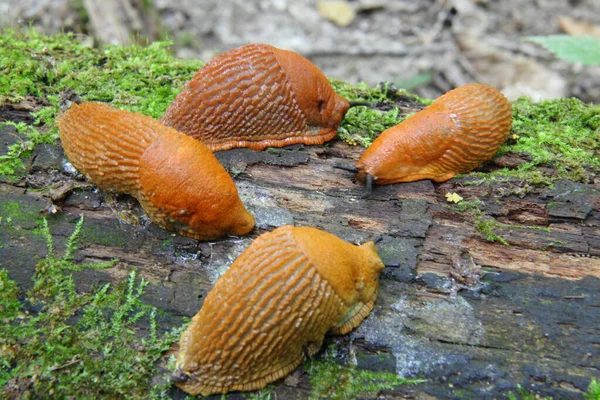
x: 339, y: 12
x: 578, y: 28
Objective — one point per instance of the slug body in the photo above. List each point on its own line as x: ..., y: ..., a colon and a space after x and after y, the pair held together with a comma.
x: 257, y: 96
x: 274, y: 304
x: 177, y: 180
x: 454, y: 135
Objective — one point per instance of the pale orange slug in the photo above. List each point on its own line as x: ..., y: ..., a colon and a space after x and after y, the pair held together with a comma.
x: 177, y: 180
x: 257, y: 96
x: 275, y: 303
x: 454, y: 135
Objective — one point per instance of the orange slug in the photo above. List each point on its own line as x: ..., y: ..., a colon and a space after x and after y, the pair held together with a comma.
x: 454, y: 135
x: 177, y: 180
x: 275, y: 303
x: 257, y: 96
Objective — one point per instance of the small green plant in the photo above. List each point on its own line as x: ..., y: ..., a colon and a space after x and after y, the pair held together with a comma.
x: 334, y: 381
x: 262, y: 394
x: 576, y: 49
x: 65, y: 344
x: 525, y: 395
x: 593, y: 390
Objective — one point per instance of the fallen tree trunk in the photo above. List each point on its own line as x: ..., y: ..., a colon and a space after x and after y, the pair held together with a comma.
x: 503, y: 292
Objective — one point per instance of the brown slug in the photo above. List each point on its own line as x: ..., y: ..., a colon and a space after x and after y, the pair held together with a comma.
x: 454, y: 135
x: 177, y: 180
x: 276, y: 302
x: 257, y: 96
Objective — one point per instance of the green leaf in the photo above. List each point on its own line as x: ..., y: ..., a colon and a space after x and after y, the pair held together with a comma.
x: 576, y: 49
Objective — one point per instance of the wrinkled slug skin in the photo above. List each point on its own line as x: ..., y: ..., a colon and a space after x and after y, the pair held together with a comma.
x: 177, y: 180
x: 454, y: 135
x: 257, y: 96
x: 276, y: 302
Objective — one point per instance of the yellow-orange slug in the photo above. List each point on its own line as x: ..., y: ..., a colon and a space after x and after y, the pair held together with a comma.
x: 454, y: 135
x: 257, y: 96
x: 276, y: 302
x: 177, y: 180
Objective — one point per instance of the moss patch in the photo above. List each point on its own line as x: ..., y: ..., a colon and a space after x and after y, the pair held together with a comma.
x: 142, y: 79
x: 137, y: 78
x: 485, y: 224
x: 362, y: 124
x: 331, y: 380
x: 14, y: 215
x: 563, y: 134
x: 57, y: 342
x: 99, y: 233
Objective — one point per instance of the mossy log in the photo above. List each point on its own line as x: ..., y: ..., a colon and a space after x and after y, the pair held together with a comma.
x: 498, y: 290
x: 474, y: 312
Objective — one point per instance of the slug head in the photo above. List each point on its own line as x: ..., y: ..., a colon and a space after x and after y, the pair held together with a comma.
x: 353, y: 271
x: 188, y: 191
x: 322, y: 107
x: 407, y: 151
x: 454, y: 135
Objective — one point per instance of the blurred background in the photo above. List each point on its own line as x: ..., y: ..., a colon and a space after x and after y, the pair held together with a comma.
x: 426, y: 46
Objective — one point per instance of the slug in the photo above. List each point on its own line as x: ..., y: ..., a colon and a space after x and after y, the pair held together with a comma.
x: 257, y: 96
x: 177, y: 180
x: 275, y: 303
x: 454, y: 135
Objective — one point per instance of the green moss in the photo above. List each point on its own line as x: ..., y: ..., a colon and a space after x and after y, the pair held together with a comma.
x: 135, y: 78
x: 361, y: 125
x: 487, y: 225
x: 98, y: 235
x: 14, y: 215
x: 563, y: 134
x: 65, y: 344
x: 334, y: 381
x: 12, y: 168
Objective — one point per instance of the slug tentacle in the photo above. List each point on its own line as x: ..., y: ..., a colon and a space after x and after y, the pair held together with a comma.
x: 273, y: 306
x: 177, y: 180
x: 369, y: 184
x: 257, y: 96
x: 346, y: 168
x: 454, y: 135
